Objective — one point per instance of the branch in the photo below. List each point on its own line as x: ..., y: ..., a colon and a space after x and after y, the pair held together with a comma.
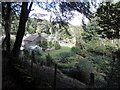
x: 30, y: 7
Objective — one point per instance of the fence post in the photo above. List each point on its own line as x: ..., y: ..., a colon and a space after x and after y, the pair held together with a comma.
x: 55, y: 75
x: 41, y: 64
x: 92, y: 78
x: 32, y: 60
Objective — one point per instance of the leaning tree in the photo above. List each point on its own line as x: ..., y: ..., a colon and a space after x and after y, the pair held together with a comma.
x: 25, y: 10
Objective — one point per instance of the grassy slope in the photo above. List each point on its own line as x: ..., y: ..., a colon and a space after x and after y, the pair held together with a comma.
x: 55, y: 53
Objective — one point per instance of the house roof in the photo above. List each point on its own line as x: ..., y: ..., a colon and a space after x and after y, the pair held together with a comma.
x: 32, y: 37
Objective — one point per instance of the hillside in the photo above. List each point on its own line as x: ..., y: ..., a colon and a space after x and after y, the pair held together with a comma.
x: 43, y: 77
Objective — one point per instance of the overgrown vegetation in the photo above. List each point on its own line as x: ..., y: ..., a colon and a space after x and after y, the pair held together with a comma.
x: 79, y: 51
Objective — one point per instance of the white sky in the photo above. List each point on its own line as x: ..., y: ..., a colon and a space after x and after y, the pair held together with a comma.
x: 76, y: 20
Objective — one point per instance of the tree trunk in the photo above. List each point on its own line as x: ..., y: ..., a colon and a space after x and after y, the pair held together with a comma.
x: 119, y: 43
x: 119, y: 39
x: 21, y: 28
x: 7, y: 18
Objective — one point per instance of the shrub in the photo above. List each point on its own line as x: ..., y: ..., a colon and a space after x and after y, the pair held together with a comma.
x: 84, y: 65
x: 42, y: 44
x: 63, y: 60
x: 65, y: 54
x: 40, y: 59
x: 100, y: 49
x: 50, y: 44
x: 84, y: 68
x: 81, y: 71
x: 64, y: 57
x: 113, y: 76
x: 49, y: 60
x: 81, y: 44
x: 101, y: 63
x: 110, y: 48
x: 65, y: 68
x: 26, y: 53
x: 57, y: 46
x: 79, y: 51
x: 70, y: 59
x: 75, y: 50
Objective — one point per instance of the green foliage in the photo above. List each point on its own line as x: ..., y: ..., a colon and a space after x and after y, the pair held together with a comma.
x: 64, y: 67
x: 42, y: 44
x: 100, y: 63
x: 83, y: 68
x: 75, y: 50
x: 100, y: 84
x: 108, y: 18
x: 70, y: 6
x: 84, y: 65
x: 55, y: 53
x: 26, y: 52
x: 79, y: 51
x: 71, y: 58
x: 113, y: 76
x: 50, y: 44
x: 90, y: 32
x: 80, y: 71
x: 65, y: 54
x: 100, y: 49
x: 117, y: 53
x: 49, y: 60
x: 64, y: 57
x: 57, y: 46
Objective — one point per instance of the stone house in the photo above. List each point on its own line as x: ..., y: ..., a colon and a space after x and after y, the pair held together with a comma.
x: 32, y: 39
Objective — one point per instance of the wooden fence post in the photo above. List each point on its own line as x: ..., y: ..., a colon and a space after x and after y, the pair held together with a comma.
x: 55, y: 75
x: 92, y: 78
x: 32, y: 60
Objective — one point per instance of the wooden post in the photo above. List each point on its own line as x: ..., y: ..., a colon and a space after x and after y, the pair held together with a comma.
x: 41, y: 64
x: 55, y: 75
x: 92, y: 78
x: 32, y: 60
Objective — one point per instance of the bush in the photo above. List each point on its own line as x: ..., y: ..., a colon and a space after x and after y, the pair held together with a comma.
x: 49, y: 60
x: 64, y: 57
x: 110, y: 48
x: 26, y: 53
x: 81, y: 71
x: 65, y: 54
x: 70, y: 59
x: 65, y: 68
x: 113, y: 76
x: 67, y: 59
x: 83, y: 68
x: 42, y: 44
x: 79, y: 51
x: 39, y: 59
x: 101, y: 63
x: 75, y: 50
x: 100, y: 49
x: 57, y: 46
x: 50, y: 44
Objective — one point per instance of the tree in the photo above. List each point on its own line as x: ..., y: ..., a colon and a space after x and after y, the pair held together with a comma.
x: 90, y: 31
x: 82, y: 7
x: 21, y: 29
x: 109, y: 20
x: 6, y: 16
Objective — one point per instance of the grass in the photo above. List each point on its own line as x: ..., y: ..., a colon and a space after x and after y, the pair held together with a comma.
x: 54, y: 53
